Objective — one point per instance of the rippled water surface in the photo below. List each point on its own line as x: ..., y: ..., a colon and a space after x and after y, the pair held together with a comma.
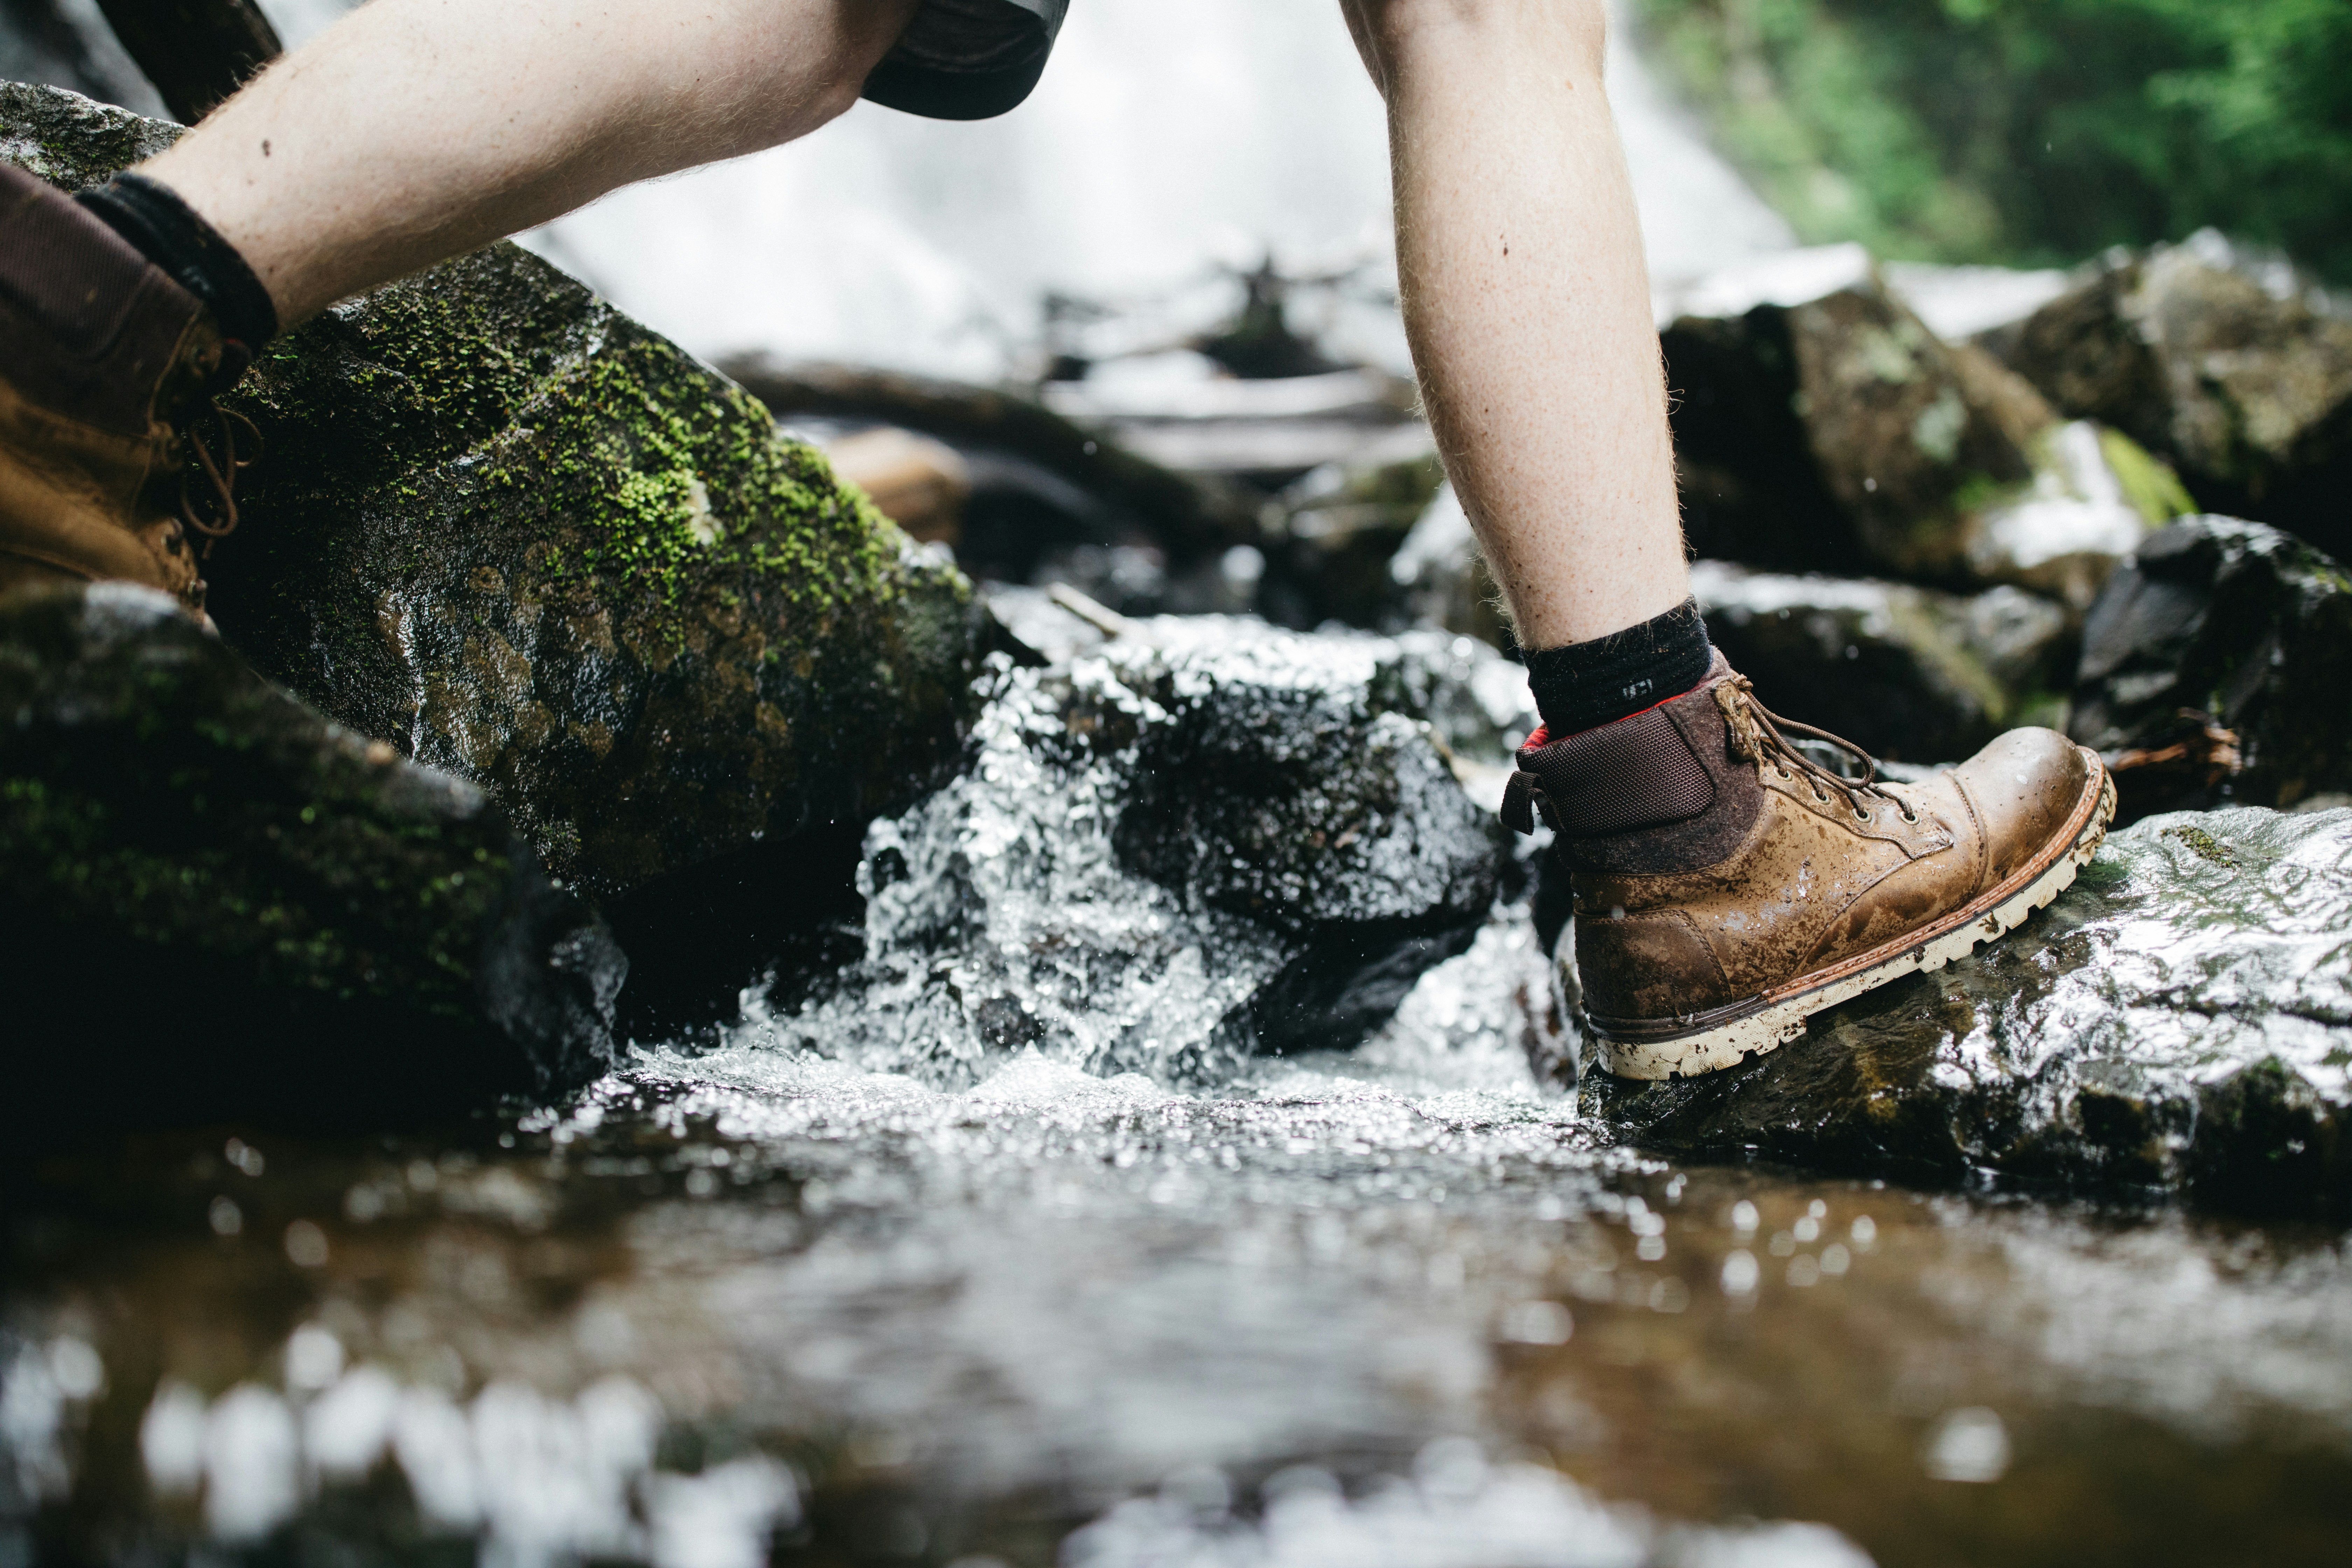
x: 1388, y: 1307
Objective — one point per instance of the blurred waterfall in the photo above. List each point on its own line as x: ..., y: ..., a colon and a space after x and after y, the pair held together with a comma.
x: 1165, y: 142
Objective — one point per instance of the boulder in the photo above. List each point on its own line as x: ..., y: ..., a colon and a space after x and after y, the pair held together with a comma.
x: 2225, y: 358
x: 1909, y: 674
x: 520, y: 537
x: 2215, y: 667
x: 2178, y: 1024
x: 1441, y: 578
x: 244, y: 909
x: 70, y: 141
x: 1181, y: 841
x: 1819, y: 424
x: 1333, y: 536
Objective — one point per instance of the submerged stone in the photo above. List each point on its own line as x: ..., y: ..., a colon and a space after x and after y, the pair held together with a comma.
x: 521, y: 537
x: 1186, y: 843
x: 2179, y: 1023
x: 1909, y: 674
x: 219, y: 903
x: 2225, y: 358
x: 2215, y: 667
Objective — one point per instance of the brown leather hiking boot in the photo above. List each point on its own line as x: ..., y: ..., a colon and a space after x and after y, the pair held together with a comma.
x: 104, y: 361
x: 1728, y: 887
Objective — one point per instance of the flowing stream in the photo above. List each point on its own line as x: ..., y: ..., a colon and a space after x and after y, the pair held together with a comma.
x: 831, y: 1295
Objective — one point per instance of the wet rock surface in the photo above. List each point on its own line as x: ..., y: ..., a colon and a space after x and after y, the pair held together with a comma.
x: 71, y: 140
x: 1192, y: 842
x: 227, y: 905
x: 523, y: 539
x: 2177, y: 1022
x: 1909, y: 674
x: 1819, y: 424
x: 2227, y: 359
x: 2217, y: 623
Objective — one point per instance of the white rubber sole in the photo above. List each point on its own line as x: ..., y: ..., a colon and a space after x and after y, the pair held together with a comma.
x: 1775, y: 1022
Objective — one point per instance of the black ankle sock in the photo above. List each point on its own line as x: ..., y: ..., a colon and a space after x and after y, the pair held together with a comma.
x: 169, y: 233
x: 1589, y: 684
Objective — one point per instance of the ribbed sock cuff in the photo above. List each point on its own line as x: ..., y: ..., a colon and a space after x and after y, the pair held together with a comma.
x: 1589, y: 684
x: 169, y: 233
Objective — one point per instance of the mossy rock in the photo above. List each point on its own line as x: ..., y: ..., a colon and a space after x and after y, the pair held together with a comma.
x: 71, y: 140
x: 2226, y: 359
x: 219, y: 903
x: 2178, y: 1025
x: 1819, y: 424
x: 519, y: 536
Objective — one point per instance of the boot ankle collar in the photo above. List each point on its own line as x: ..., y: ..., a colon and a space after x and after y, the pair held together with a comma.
x: 1641, y: 771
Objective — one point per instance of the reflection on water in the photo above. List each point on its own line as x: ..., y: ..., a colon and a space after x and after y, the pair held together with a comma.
x: 1388, y: 1309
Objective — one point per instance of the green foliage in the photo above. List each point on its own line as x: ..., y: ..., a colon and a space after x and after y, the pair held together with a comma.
x: 2031, y: 130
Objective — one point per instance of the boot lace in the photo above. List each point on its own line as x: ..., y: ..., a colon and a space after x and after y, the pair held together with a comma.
x: 211, y: 510
x: 1761, y: 736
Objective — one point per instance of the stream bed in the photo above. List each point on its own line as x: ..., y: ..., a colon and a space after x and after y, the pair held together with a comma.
x: 1392, y: 1306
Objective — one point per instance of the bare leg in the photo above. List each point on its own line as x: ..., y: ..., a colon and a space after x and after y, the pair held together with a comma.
x: 1527, y: 304
x: 415, y: 130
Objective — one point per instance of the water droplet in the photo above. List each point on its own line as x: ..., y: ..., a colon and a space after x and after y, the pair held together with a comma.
x: 306, y: 1245
x: 1539, y: 1323
x: 1740, y: 1273
x: 1969, y: 1445
x: 314, y: 1357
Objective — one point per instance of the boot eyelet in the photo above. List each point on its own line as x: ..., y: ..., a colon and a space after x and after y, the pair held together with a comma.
x: 1863, y: 818
x: 1911, y: 818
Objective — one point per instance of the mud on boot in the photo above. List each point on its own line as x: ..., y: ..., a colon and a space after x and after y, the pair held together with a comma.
x: 1728, y: 887
x: 106, y: 365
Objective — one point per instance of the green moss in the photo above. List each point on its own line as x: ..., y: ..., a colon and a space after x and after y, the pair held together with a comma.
x: 2151, y: 486
x: 2202, y: 845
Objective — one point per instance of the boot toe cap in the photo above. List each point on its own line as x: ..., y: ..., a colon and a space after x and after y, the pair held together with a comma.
x: 2025, y: 787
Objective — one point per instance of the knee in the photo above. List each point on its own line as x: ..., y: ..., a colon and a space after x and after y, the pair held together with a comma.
x: 1394, y: 34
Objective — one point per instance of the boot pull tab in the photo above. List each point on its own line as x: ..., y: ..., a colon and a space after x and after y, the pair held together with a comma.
x: 1522, y: 798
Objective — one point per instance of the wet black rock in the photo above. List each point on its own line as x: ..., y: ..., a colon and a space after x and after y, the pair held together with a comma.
x: 2221, y: 624
x: 1186, y: 842
x: 1910, y: 674
x: 1819, y: 424
x: 2179, y: 1023
x: 220, y: 903
x: 516, y: 535
x: 2226, y: 360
